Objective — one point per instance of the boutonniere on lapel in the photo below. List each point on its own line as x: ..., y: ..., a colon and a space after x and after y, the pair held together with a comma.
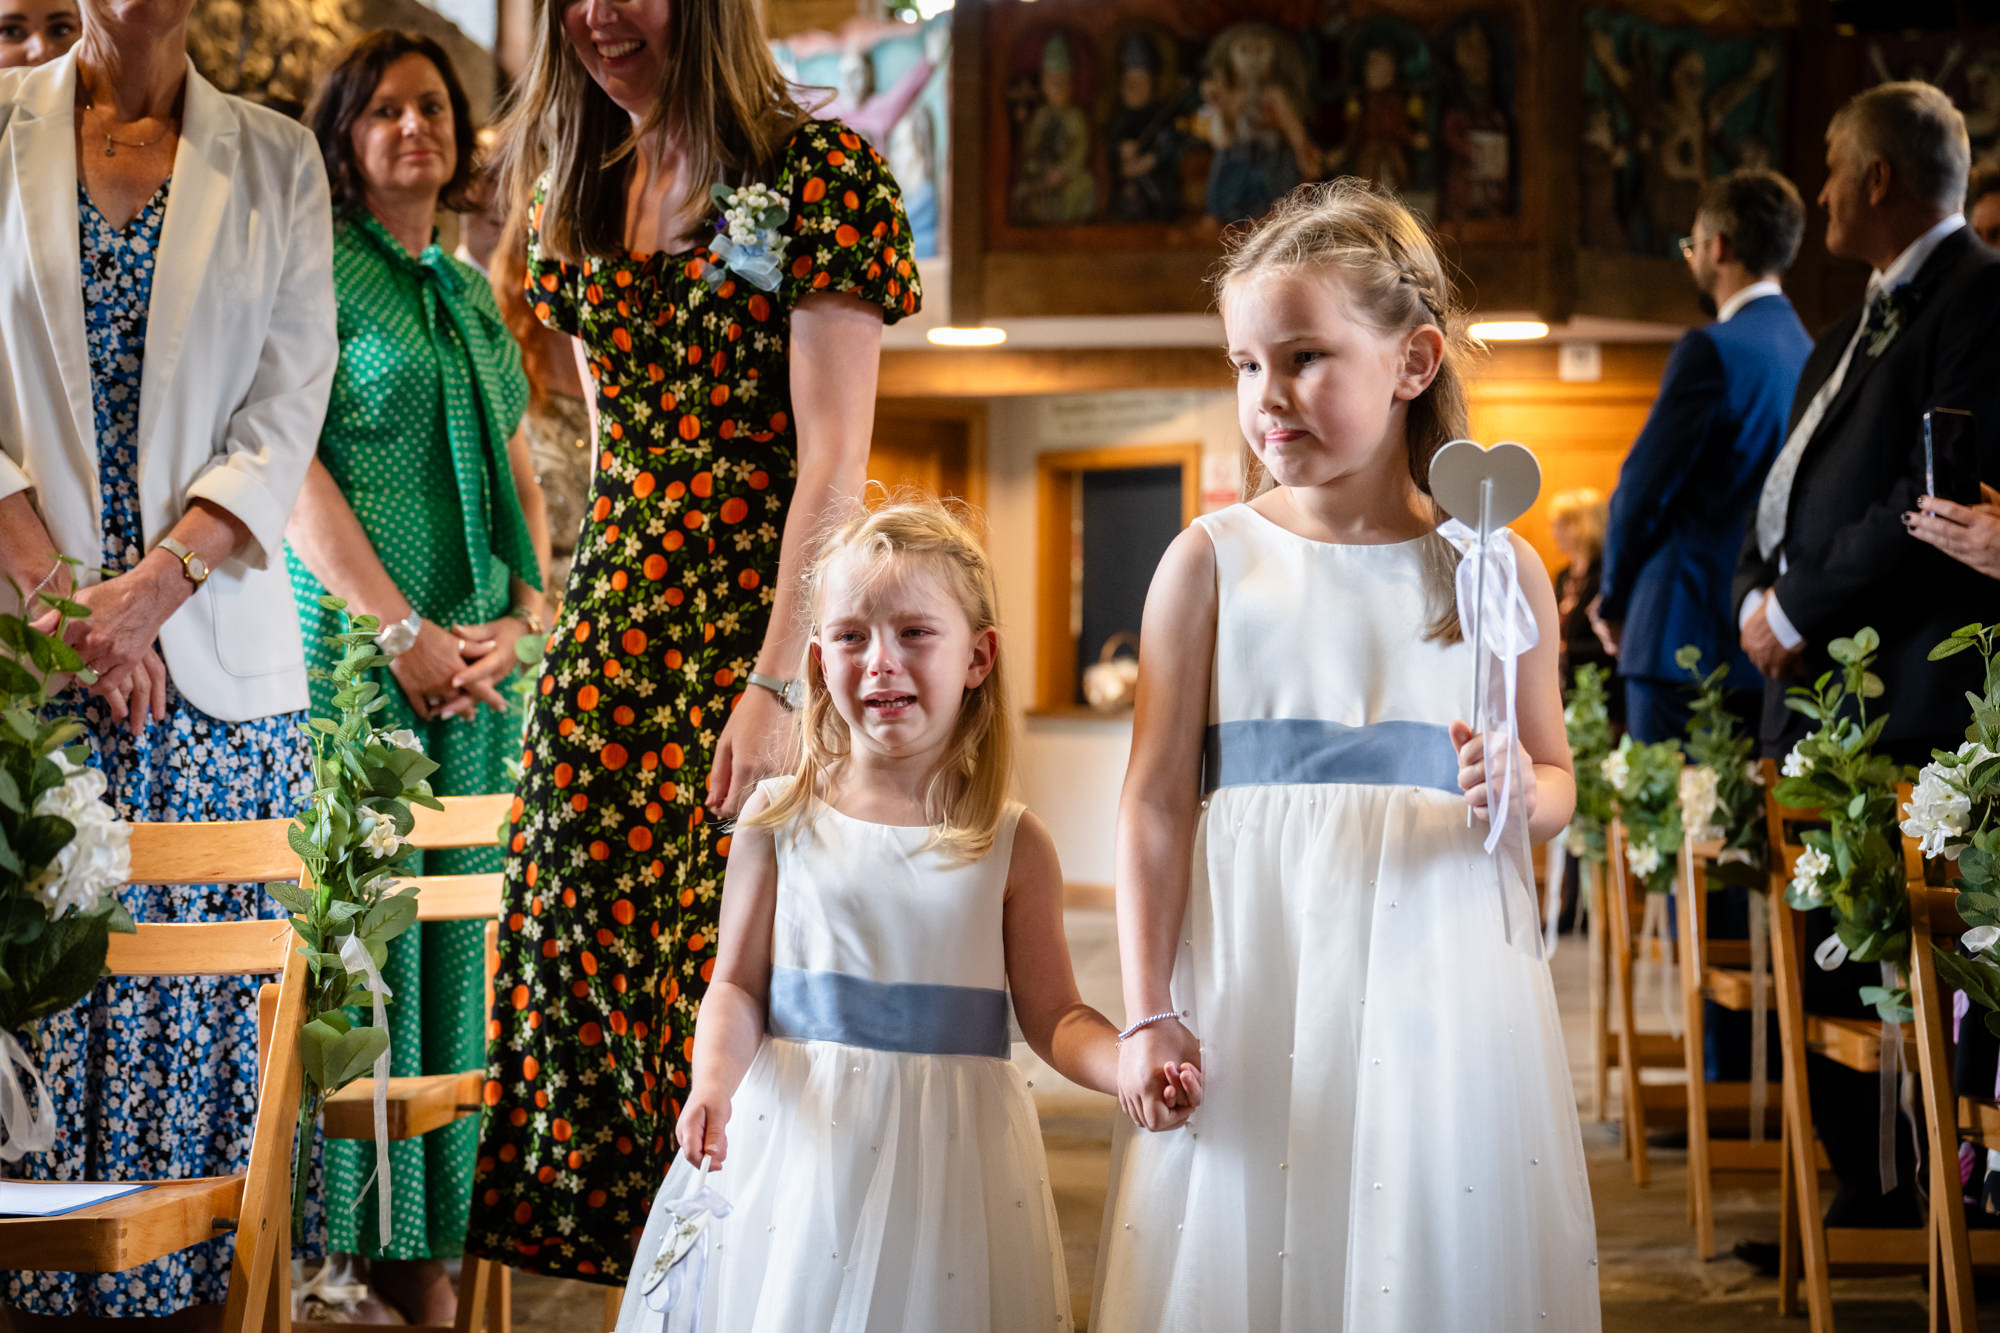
x: 1887, y: 313
x: 748, y: 241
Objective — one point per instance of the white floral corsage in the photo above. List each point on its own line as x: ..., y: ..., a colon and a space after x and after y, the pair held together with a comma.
x: 748, y: 241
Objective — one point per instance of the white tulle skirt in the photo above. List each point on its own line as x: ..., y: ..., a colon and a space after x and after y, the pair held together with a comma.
x: 1389, y: 1142
x: 875, y: 1192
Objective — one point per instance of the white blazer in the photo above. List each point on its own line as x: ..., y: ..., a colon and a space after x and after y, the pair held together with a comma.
x: 240, y: 355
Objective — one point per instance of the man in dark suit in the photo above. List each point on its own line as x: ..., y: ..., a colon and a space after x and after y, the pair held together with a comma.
x: 1688, y: 485
x: 1828, y: 553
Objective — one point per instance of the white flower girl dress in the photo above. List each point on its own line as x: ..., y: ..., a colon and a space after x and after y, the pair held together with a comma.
x: 1389, y: 1140
x: 885, y: 1170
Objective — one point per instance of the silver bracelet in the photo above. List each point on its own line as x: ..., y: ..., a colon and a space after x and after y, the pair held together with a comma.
x: 1151, y: 1019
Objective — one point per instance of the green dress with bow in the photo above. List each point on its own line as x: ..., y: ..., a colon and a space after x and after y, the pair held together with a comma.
x: 427, y: 395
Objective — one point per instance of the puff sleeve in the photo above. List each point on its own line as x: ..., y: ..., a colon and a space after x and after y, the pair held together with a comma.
x: 847, y: 231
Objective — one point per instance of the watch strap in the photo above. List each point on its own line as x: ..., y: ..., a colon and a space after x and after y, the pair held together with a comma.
x: 786, y: 690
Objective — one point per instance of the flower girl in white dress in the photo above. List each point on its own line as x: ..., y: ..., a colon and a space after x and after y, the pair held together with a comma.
x: 1389, y: 1142
x: 884, y: 1167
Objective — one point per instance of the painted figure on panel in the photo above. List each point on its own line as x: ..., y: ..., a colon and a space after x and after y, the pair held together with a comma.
x: 1053, y: 184
x: 1143, y: 139
x: 1604, y: 159
x: 1253, y: 112
x: 1676, y: 125
x: 912, y: 158
x: 1477, y: 131
x: 1385, y: 121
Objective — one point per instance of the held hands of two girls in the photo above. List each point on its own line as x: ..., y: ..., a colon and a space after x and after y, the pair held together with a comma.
x: 1159, y: 1075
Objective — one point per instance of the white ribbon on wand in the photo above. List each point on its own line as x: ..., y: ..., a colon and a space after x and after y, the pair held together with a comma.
x: 355, y: 955
x: 27, y: 1114
x: 1478, y: 713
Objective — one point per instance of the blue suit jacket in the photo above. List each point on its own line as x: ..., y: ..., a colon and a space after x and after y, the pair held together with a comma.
x: 1688, y: 488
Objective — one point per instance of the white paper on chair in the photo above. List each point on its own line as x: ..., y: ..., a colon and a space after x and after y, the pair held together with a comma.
x: 49, y: 1198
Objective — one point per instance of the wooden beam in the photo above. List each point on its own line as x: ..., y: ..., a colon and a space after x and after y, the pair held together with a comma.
x: 1005, y: 373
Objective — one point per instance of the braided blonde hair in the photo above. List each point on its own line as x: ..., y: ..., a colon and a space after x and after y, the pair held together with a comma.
x: 967, y: 792
x: 1396, y: 279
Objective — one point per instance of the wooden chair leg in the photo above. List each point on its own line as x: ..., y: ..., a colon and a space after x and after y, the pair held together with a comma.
x: 1786, y: 969
x: 475, y: 1289
x: 1788, y: 1221
x: 1599, y: 943
x: 613, y: 1298
x: 1630, y: 1092
x: 1700, y: 1182
x: 1952, y: 1247
x: 1932, y: 1251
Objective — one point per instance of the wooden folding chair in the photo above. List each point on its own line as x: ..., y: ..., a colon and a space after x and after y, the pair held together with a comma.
x: 1717, y: 970
x: 170, y: 1216
x: 1808, y: 1247
x: 418, y: 1105
x: 1636, y: 1050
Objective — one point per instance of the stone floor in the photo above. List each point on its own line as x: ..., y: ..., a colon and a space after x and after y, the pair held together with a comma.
x: 1652, y: 1279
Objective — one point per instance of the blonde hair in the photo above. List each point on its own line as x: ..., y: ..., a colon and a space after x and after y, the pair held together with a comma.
x: 1397, y: 282
x: 722, y: 96
x: 967, y: 792
x: 1582, y: 511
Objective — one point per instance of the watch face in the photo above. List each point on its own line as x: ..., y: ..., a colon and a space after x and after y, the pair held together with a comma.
x: 794, y: 694
x: 197, y: 568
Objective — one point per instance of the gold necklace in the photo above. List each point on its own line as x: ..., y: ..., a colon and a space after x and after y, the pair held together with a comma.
x: 111, y: 144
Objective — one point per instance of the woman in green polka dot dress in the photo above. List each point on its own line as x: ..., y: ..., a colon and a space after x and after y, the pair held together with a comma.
x: 421, y: 510
x: 735, y: 387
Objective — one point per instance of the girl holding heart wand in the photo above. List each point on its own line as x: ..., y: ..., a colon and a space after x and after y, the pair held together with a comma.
x: 1388, y: 1139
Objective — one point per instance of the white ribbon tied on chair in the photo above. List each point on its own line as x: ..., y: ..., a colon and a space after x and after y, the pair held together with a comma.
x: 355, y: 955
x: 27, y: 1115
x: 678, y: 1276
x: 1500, y: 624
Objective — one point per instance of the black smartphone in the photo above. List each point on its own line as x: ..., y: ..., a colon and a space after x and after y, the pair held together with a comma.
x: 1951, y: 456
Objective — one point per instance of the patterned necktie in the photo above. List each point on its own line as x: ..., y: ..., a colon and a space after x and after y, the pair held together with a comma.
x: 1775, y: 501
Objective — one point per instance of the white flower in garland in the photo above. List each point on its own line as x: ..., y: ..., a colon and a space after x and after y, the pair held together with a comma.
x: 97, y: 859
x: 401, y: 738
x: 1615, y: 767
x: 381, y: 838
x: 1980, y: 939
x: 1753, y: 771
x: 1576, y: 844
x: 1797, y: 765
x: 1701, y: 795
x: 1938, y: 812
x: 1642, y: 859
x: 1811, y: 865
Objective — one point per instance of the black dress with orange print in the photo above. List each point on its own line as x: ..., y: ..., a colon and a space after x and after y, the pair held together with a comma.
x: 614, y: 877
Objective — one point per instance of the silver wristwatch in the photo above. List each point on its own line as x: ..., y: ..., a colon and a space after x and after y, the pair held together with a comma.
x: 397, y: 639
x: 791, y: 693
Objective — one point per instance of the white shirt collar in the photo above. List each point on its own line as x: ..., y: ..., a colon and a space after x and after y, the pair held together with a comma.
x: 1756, y: 291
x: 1905, y: 265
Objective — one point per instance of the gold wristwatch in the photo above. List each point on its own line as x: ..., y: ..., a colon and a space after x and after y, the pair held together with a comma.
x: 192, y: 565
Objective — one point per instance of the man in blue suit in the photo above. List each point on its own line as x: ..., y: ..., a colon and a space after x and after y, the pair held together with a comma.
x: 1693, y: 475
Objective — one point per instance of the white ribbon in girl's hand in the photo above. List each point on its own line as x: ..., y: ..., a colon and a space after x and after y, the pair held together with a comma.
x: 674, y: 1282
x: 1509, y: 630
x: 27, y: 1116
x: 355, y: 955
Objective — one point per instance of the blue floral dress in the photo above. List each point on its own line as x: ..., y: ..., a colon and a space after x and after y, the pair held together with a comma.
x: 156, y: 1079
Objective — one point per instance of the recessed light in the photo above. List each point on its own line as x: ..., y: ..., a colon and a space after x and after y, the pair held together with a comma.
x: 983, y: 337
x: 1509, y: 330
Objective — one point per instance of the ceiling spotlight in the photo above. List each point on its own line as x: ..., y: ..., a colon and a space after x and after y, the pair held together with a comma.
x: 983, y: 337
x: 1509, y: 330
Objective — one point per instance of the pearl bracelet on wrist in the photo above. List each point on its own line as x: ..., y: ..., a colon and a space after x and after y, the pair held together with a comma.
x: 1151, y: 1019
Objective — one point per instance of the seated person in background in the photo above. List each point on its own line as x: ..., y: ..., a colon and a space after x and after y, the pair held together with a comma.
x: 1576, y: 522
x: 1692, y: 478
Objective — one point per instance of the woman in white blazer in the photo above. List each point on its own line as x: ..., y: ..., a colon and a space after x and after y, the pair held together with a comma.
x: 167, y: 323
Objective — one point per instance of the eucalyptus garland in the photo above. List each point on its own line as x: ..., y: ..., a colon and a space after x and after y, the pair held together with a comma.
x: 1588, y: 722
x: 1722, y: 789
x: 351, y: 837
x: 1954, y: 811
x: 1854, y: 866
